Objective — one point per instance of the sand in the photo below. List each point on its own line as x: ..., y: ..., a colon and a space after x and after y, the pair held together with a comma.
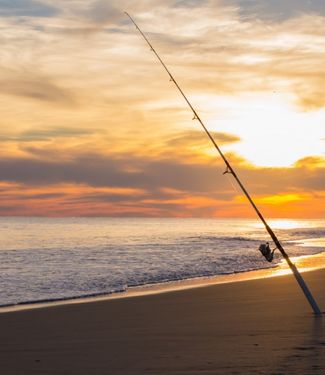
x: 251, y: 327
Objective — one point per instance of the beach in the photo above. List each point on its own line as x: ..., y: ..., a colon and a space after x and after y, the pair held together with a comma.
x: 162, y: 175
x: 262, y: 326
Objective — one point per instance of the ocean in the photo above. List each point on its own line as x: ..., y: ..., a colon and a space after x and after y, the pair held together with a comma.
x: 51, y: 259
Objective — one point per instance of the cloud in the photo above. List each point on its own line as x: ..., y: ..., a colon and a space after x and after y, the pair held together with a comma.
x: 190, y: 146
x: 37, y: 135
x: 97, y: 170
x: 57, y: 132
x: 155, y: 175
x: 311, y: 162
x: 220, y: 54
x: 26, y: 8
x: 279, y: 10
x: 97, y: 185
x: 199, y: 139
x: 231, y: 55
x: 190, y: 3
x: 311, y: 93
x: 37, y: 88
x: 104, y: 12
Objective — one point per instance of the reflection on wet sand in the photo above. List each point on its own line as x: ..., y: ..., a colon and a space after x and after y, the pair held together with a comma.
x: 305, y: 356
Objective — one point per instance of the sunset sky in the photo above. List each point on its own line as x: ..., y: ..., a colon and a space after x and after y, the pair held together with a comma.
x: 92, y: 126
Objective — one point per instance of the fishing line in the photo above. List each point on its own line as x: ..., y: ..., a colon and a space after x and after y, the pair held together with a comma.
x: 231, y: 183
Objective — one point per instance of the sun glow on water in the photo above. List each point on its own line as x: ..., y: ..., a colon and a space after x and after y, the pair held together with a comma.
x: 286, y: 224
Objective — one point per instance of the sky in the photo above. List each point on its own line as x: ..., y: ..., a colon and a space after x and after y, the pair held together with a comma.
x: 92, y: 126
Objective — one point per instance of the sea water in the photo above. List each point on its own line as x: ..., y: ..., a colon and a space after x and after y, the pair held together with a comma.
x: 49, y: 259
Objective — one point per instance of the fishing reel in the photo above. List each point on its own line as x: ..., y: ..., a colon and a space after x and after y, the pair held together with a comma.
x: 267, y: 252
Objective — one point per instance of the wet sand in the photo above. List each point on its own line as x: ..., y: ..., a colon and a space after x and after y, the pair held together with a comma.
x: 251, y: 327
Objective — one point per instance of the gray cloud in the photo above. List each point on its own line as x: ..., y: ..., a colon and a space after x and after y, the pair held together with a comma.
x: 103, y: 12
x: 152, y: 176
x: 58, y: 132
x: 46, y: 134
x: 8, y: 209
x: 26, y: 8
x: 279, y: 10
x: 190, y: 3
x: 98, y: 171
x: 25, y: 197
x: 39, y: 89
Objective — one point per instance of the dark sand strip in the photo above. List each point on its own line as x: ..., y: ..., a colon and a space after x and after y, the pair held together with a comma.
x: 250, y: 327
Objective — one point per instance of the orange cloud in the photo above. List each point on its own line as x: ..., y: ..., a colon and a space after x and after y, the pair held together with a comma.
x: 83, y: 200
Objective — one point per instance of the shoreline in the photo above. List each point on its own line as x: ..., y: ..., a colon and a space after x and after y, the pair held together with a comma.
x: 306, y: 263
x: 262, y: 326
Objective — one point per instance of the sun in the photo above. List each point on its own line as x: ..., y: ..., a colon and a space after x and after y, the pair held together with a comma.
x: 273, y: 132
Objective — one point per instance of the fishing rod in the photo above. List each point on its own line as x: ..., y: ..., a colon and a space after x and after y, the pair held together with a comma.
x: 231, y: 171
